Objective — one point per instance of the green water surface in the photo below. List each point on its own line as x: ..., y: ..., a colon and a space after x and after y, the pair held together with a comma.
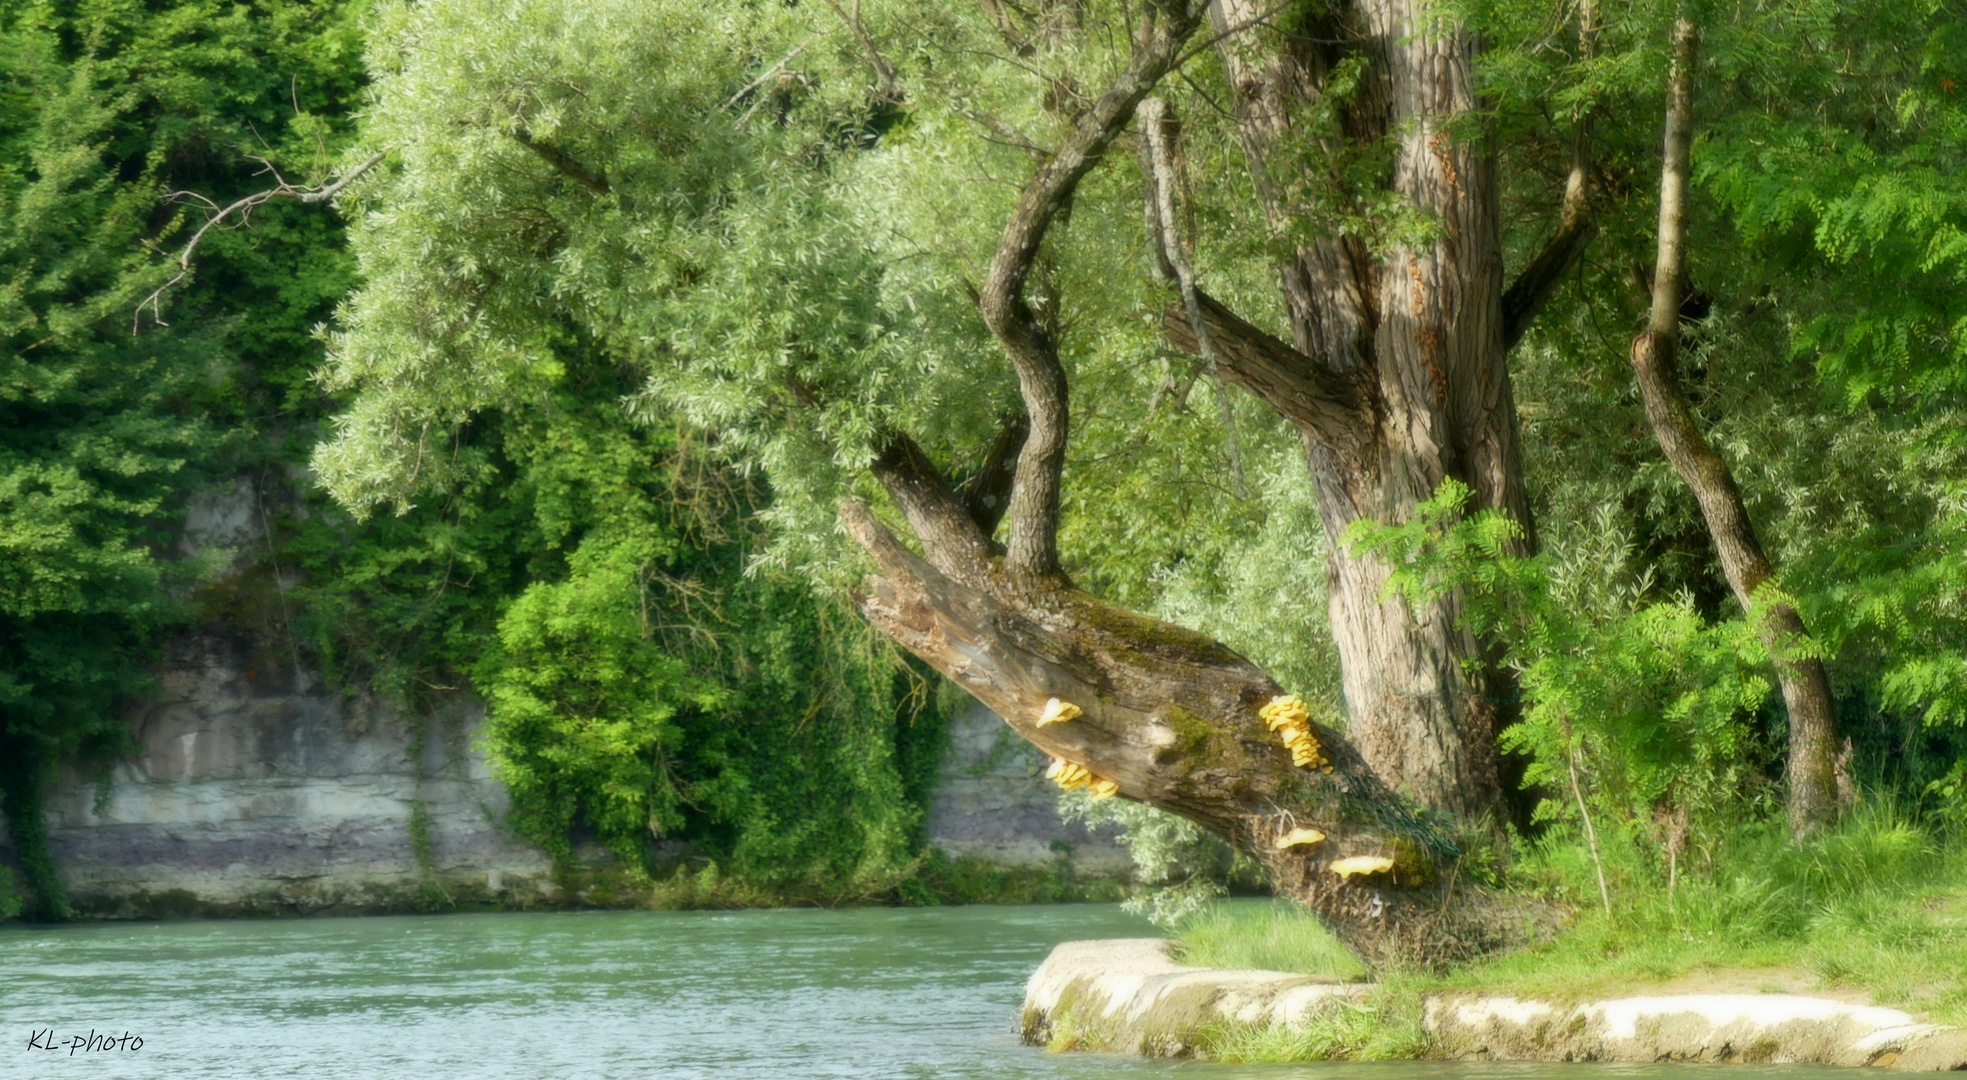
x: 872, y: 992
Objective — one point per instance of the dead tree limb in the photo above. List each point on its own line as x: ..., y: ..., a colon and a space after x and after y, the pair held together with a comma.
x: 241, y: 211
x: 1157, y: 124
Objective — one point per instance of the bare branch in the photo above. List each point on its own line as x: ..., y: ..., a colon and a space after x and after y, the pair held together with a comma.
x: 1332, y: 405
x: 1011, y: 136
x: 1157, y: 131
x: 1231, y: 31
x: 950, y: 537
x: 768, y: 73
x: 1536, y: 282
x: 891, y: 84
x: 242, y: 210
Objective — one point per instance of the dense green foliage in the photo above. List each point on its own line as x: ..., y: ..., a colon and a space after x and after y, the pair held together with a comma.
x: 638, y: 297
x: 104, y: 108
x: 1646, y: 697
x: 585, y: 576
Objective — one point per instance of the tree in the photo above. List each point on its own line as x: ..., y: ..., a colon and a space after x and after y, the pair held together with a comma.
x: 762, y: 313
x: 893, y: 258
x: 1840, y: 182
x: 1805, y: 684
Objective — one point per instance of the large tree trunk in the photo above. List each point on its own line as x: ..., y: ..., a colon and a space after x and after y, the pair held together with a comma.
x: 1805, y: 685
x: 1416, y: 335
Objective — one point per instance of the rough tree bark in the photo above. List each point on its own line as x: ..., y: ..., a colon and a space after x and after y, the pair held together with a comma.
x: 1172, y: 719
x: 1806, y: 687
x: 1396, y: 376
x: 1168, y: 717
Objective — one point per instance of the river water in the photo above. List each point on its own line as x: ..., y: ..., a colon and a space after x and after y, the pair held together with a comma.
x: 873, y: 992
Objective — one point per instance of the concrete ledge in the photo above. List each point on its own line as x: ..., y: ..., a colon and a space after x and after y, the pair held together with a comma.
x: 1758, y: 1028
x: 1130, y: 996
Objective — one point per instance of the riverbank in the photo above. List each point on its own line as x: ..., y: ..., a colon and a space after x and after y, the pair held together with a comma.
x: 1872, y: 915
x: 934, y: 880
x: 1132, y: 996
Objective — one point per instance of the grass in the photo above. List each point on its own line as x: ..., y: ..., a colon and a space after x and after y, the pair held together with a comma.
x: 1268, y: 935
x: 1874, y: 906
x: 1385, y: 1025
x: 1878, y: 906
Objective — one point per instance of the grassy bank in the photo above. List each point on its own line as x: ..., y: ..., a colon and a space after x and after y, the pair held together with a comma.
x: 1876, y: 908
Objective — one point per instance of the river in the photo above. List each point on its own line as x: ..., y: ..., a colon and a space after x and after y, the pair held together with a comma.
x: 871, y: 992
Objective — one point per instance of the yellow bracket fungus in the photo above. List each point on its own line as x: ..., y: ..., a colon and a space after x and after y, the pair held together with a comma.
x: 1057, y: 712
x: 1362, y: 864
x: 1072, y: 776
x: 1299, y: 836
x: 1288, y: 716
x: 1285, y: 709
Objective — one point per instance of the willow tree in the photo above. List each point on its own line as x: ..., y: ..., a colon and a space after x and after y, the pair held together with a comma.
x: 876, y: 253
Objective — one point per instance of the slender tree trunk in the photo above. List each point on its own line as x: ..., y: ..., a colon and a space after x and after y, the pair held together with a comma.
x: 1805, y: 686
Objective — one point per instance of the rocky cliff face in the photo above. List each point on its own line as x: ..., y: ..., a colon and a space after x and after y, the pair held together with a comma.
x: 252, y: 792
x: 993, y: 803
x: 254, y: 789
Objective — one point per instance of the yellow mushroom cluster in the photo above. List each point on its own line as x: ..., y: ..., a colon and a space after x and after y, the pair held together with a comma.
x: 1299, y: 837
x: 1362, y: 865
x: 1072, y: 775
x: 1288, y: 717
x: 1058, y: 712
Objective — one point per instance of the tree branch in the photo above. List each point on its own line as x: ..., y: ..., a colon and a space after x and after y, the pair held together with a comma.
x: 987, y: 494
x: 567, y: 166
x: 769, y: 72
x: 1577, y: 223
x: 1332, y: 405
x: 1526, y: 296
x: 950, y: 536
x: 243, y: 209
x: 1011, y: 136
x: 1157, y: 124
x: 891, y: 84
x: 1033, y: 547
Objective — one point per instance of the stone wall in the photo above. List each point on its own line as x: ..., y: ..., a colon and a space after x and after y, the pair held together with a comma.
x: 256, y: 791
